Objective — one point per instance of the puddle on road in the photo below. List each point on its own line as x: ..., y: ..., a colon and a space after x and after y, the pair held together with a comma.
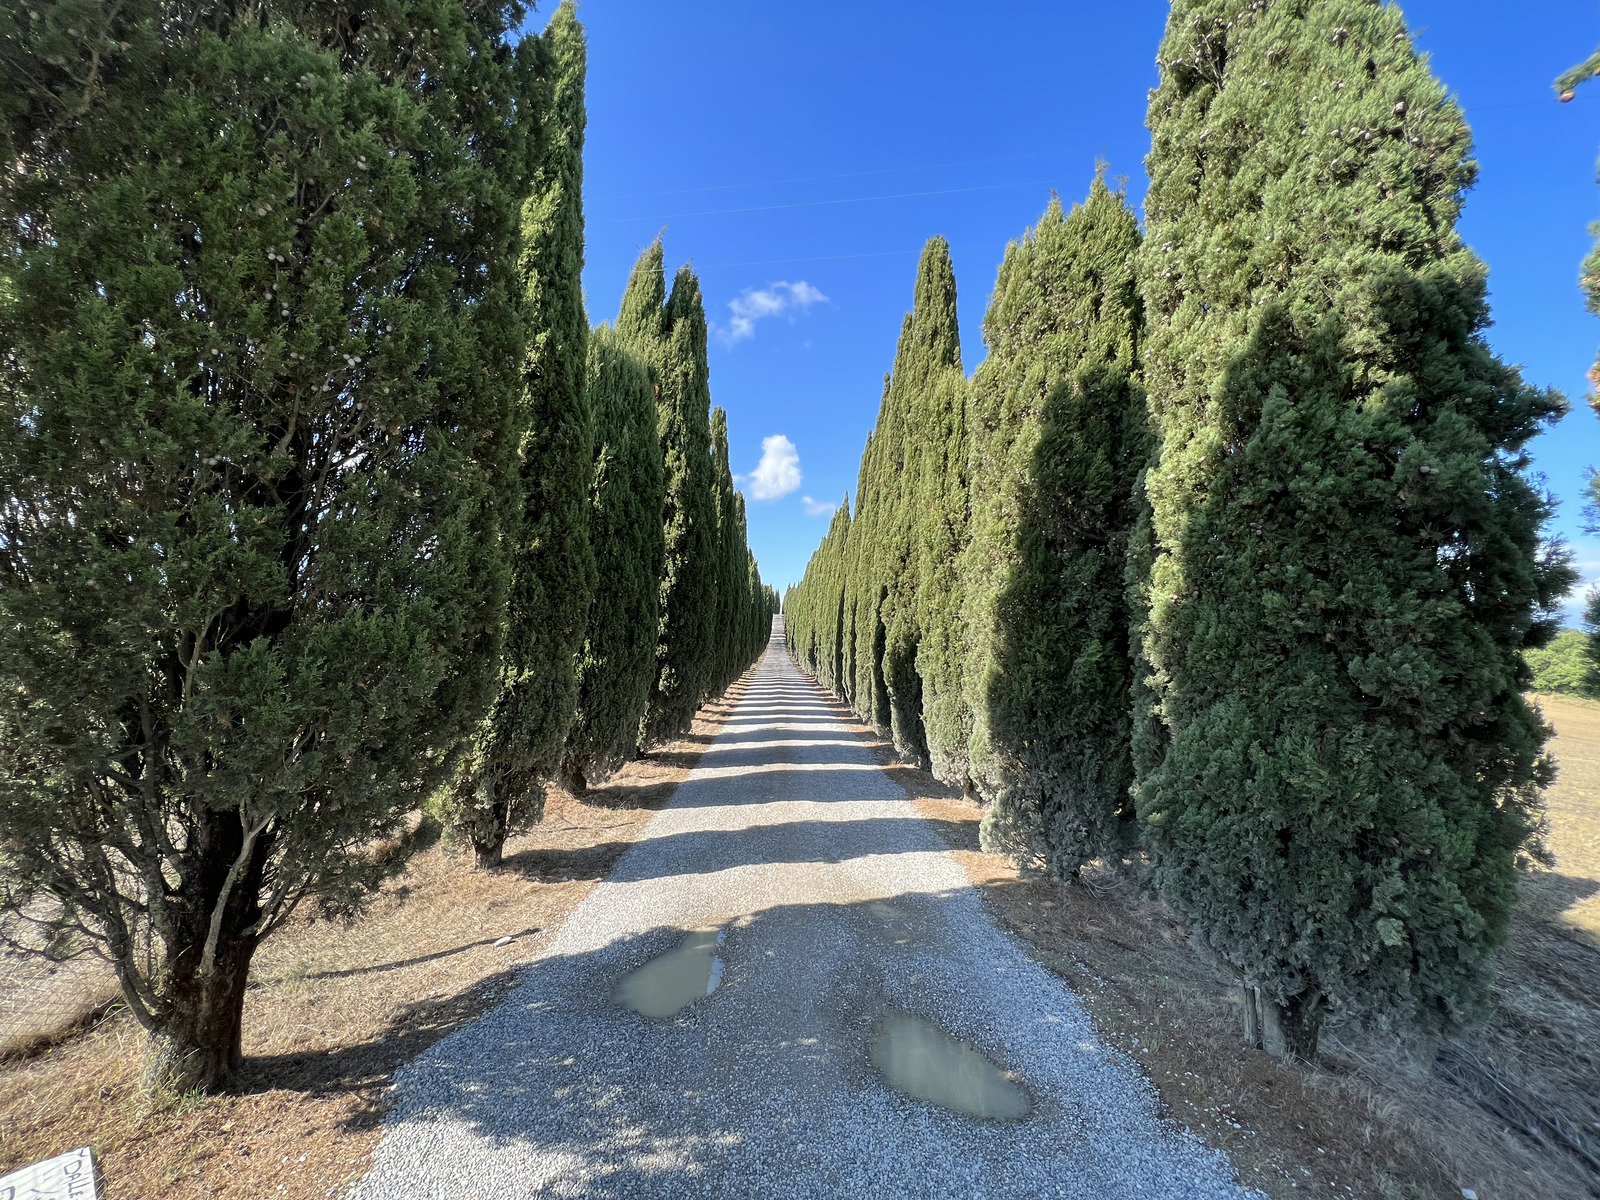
x: 921, y: 1060
x: 674, y: 980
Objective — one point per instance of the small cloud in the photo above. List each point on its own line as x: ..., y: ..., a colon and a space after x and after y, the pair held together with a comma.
x: 817, y: 508
x: 759, y: 303
x: 778, y: 472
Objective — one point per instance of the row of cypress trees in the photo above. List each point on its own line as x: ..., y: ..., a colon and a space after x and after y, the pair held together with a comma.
x: 1228, y: 552
x: 627, y: 480
x: 321, y: 499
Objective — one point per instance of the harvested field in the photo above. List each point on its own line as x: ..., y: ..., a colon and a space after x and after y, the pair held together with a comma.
x: 1510, y: 1110
x: 333, y: 1010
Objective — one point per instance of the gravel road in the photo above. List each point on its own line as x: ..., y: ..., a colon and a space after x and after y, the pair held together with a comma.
x: 838, y: 908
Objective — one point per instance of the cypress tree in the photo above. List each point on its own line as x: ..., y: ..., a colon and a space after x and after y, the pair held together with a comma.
x: 554, y: 569
x: 257, y: 440
x: 671, y: 334
x: 703, y: 573
x: 868, y: 694
x: 1347, y: 548
x: 939, y: 508
x: 833, y: 599
x: 1060, y: 436
x: 728, y: 648
x: 828, y: 601
x: 617, y: 669
x: 754, y: 620
x: 814, y: 608
x: 913, y: 431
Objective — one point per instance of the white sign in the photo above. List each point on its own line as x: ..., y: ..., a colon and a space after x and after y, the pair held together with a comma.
x: 74, y: 1176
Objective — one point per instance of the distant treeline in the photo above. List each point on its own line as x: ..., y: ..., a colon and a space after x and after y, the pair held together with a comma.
x: 321, y: 498
x: 1226, y: 560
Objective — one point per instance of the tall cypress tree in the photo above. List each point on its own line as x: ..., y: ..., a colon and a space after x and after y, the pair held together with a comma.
x: 1060, y: 431
x: 617, y: 669
x: 938, y: 488
x: 554, y: 571
x: 1347, y: 547
x: 727, y: 649
x: 684, y: 652
x: 827, y: 601
x: 752, y: 633
x: 868, y: 695
x: 814, y: 608
x: 923, y: 389
x: 257, y: 447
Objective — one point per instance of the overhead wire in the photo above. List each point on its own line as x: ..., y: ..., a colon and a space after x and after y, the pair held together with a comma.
x: 725, y: 187
x: 724, y: 212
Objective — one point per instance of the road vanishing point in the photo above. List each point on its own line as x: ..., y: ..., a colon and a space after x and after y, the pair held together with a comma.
x: 786, y: 988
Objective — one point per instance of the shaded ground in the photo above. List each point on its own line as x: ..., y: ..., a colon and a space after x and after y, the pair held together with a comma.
x: 831, y: 930
x: 336, y: 1010
x: 333, y: 1011
x: 1510, y: 1110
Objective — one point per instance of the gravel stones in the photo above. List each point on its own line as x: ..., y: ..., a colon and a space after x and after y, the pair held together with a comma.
x: 837, y: 905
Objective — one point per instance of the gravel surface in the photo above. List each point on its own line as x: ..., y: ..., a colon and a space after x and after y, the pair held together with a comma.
x: 838, y: 905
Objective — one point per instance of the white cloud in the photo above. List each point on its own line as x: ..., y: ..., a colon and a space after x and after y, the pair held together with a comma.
x: 817, y: 508
x: 759, y: 303
x: 778, y: 472
x: 1577, y: 601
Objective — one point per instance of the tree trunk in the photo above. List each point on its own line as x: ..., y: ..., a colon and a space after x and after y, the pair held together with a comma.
x: 1289, y: 1029
x: 487, y: 857
x: 575, y: 779
x: 195, y: 1039
x: 490, y: 822
x: 1252, y: 1015
x: 198, y: 1043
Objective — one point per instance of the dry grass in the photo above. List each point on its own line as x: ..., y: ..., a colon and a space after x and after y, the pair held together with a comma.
x: 333, y: 1010
x: 1510, y: 1110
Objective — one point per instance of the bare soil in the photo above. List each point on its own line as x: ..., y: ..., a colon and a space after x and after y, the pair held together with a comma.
x: 1510, y: 1109
x: 333, y: 1010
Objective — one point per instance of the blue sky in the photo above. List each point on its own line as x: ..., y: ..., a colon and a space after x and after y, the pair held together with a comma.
x: 799, y: 156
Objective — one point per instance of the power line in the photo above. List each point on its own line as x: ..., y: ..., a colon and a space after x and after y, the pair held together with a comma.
x: 724, y: 187
x: 724, y: 212
x: 775, y: 262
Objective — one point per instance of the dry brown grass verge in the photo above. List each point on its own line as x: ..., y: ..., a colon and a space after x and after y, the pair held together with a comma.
x: 334, y: 1010
x: 1508, y: 1110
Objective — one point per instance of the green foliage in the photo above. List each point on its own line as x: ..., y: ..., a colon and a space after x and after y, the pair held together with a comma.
x: 553, y: 576
x: 685, y: 652
x: 814, y: 608
x: 262, y: 323
x: 1059, y: 439
x: 921, y: 436
x: 1564, y: 667
x: 878, y: 615
x: 916, y: 432
x: 1347, y: 550
x: 864, y: 593
x: 728, y: 658
x: 938, y: 518
x: 1589, y: 279
x: 1591, y: 619
x: 702, y: 518
x: 618, y: 666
